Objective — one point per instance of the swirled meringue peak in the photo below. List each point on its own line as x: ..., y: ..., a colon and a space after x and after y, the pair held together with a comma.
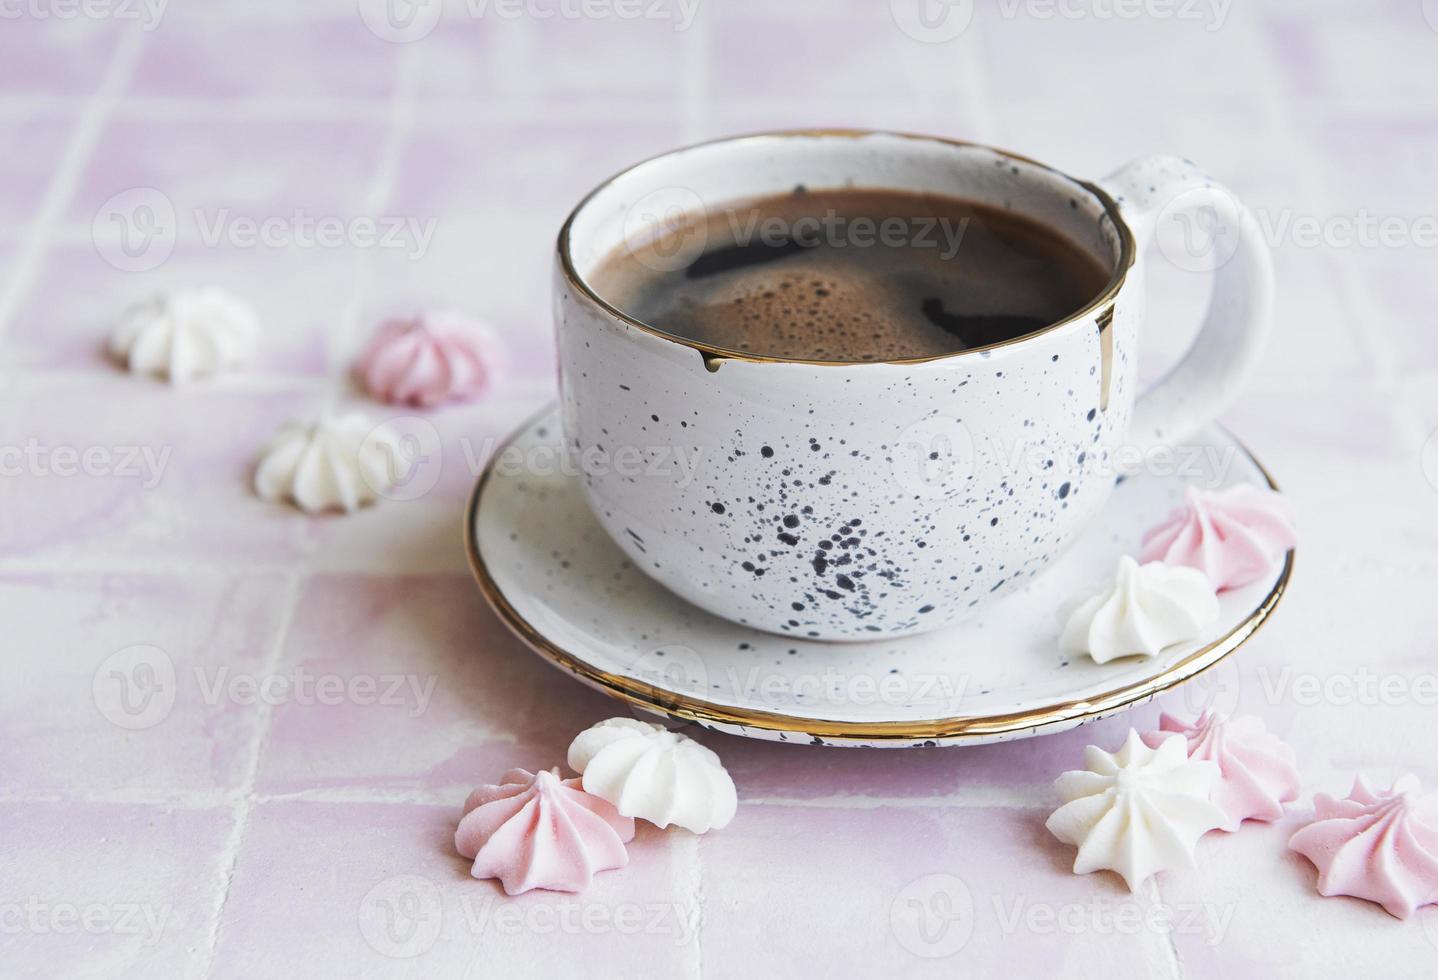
x: 1256, y: 773
x: 336, y: 463
x: 1138, y: 811
x: 430, y: 359
x: 1233, y: 536
x: 535, y: 830
x: 1148, y: 607
x: 185, y: 335
x: 1374, y: 846
x: 649, y: 772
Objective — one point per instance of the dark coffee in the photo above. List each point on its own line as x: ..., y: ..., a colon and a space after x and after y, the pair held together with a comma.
x: 852, y: 275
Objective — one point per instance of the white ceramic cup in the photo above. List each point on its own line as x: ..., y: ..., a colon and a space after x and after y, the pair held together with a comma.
x: 857, y: 500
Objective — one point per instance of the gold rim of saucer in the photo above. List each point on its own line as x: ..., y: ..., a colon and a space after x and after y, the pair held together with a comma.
x: 713, y: 355
x: 692, y: 709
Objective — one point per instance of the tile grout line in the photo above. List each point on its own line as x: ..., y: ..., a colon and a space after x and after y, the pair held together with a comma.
x: 974, y: 80
x: 244, y: 802
x: 383, y: 178
x: 526, y: 389
x: 1167, y: 944
x: 697, y: 890
x: 1029, y: 798
x: 694, y: 82
x: 1279, y: 110
x: 78, y: 150
x: 62, y: 566
x: 441, y: 110
x: 695, y: 123
x: 208, y: 800
x: 344, y: 334
x: 1278, y: 118
x: 520, y: 391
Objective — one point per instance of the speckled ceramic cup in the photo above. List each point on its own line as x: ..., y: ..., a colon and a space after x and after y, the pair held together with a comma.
x: 858, y: 500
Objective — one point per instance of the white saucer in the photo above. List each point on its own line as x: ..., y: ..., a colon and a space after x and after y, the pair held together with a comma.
x: 555, y: 578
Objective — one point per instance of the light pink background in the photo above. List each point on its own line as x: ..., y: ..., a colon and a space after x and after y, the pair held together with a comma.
x: 273, y: 837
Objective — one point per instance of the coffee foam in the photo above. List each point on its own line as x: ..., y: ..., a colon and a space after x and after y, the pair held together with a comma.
x: 1001, y: 277
x: 796, y: 312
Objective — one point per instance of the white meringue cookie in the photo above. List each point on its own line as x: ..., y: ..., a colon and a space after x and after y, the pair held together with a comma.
x: 649, y: 772
x: 1136, y: 812
x: 186, y: 335
x: 1148, y: 607
x: 337, y: 463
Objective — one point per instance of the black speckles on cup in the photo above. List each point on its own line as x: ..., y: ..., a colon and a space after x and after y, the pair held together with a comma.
x: 851, y: 501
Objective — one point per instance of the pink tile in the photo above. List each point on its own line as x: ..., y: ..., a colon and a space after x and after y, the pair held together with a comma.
x: 225, y: 59
x: 926, y: 891
x: 54, y: 56
x: 641, y: 57
x: 114, y: 691
x: 496, y: 264
x: 1027, y: 767
x: 34, y: 146
x: 495, y: 259
x: 1318, y: 60
x: 1277, y: 924
x: 215, y: 171
x: 864, y: 56
x: 378, y: 888
x: 1347, y: 694
x: 1085, y: 60
x: 7, y: 273
x: 229, y: 11
x: 1394, y: 300
x: 1351, y: 420
x: 1347, y: 449
x: 1216, y: 131
x: 300, y: 294
x: 452, y: 168
x: 163, y: 474
x: 485, y: 55
x: 1319, y: 327
x: 942, y: 117
x: 95, y: 889
x: 417, y: 528
x: 496, y: 216
x: 458, y: 702
x: 792, y: 16
x: 1378, y: 165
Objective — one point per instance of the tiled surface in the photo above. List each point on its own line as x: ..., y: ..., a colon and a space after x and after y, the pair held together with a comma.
x: 234, y: 740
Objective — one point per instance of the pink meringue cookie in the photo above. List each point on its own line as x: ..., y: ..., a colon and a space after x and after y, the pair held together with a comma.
x: 535, y: 830
x: 430, y: 359
x: 1232, y: 536
x: 1255, y: 767
x: 1374, y: 846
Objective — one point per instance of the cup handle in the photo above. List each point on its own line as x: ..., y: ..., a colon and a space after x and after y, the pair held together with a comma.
x: 1219, y: 234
